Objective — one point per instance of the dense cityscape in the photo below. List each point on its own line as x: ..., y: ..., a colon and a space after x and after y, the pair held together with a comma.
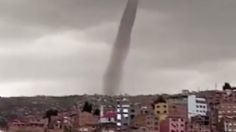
x: 201, y: 111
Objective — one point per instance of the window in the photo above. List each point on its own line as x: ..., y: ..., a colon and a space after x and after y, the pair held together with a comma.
x: 118, y: 110
x: 118, y: 116
x: 132, y: 116
x: 125, y: 124
x: 173, y: 119
x: 125, y: 110
x: 125, y: 115
x: 118, y: 124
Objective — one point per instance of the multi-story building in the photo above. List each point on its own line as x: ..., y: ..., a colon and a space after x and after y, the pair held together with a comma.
x: 145, y: 123
x: 199, y: 124
x: 173, y: 124
x: 123, y: 114
x: 226, y: 109
x: 228, y: 124
x: 28, y: 124
x: 87, y: 122
x: 107, y: 121
x: 161, y: 108
x: 220, y: 104
x: 178, y: 99
x: 135, y: 109
x: 107, y: 117
x: 196, y: 106
x: 213, y: 98
x: 177, y: 110
x: 194, y: 127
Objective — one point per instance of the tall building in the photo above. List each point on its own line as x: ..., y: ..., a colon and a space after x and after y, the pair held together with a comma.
x: 160, y: 108
x: 226, y: 109
x: 199, y: 124
x: 228, y: 124
x: 123, y: 114
x: 177, y: 110
x: 173, y: 124
x: 196, y: 106
x: 145, y: 123
x: 213, y: 98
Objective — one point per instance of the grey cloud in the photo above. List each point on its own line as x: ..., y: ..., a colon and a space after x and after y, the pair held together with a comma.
x: 60, y: 13
x: 176, y: 44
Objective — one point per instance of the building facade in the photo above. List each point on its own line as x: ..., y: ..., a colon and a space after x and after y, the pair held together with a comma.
x: 196, y: 106
x: 160, y: 108
x: 123, y: 114
x: 228, y: 124
x: 173, y: 124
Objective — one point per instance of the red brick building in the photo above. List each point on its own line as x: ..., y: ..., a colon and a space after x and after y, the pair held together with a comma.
x: 147, y: 123
x: 178, y: 110
x: 228, y: 124
x: 173, y: 124
x: 199, y: 124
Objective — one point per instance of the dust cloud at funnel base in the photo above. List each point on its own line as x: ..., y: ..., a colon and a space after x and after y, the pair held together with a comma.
x: 114, y: 71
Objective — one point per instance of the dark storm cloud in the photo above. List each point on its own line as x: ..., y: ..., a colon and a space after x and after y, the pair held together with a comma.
x: 60, y: 13
x: 57, y: 44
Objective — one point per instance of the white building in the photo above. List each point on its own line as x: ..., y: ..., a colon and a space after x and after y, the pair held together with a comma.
x: 196, y: 106
x: 123, y: 113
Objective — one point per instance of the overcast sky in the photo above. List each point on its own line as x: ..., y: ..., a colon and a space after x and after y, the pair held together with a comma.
x: 61, y: 47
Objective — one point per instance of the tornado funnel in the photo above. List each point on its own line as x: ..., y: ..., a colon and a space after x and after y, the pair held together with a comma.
x: 113, y: 74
